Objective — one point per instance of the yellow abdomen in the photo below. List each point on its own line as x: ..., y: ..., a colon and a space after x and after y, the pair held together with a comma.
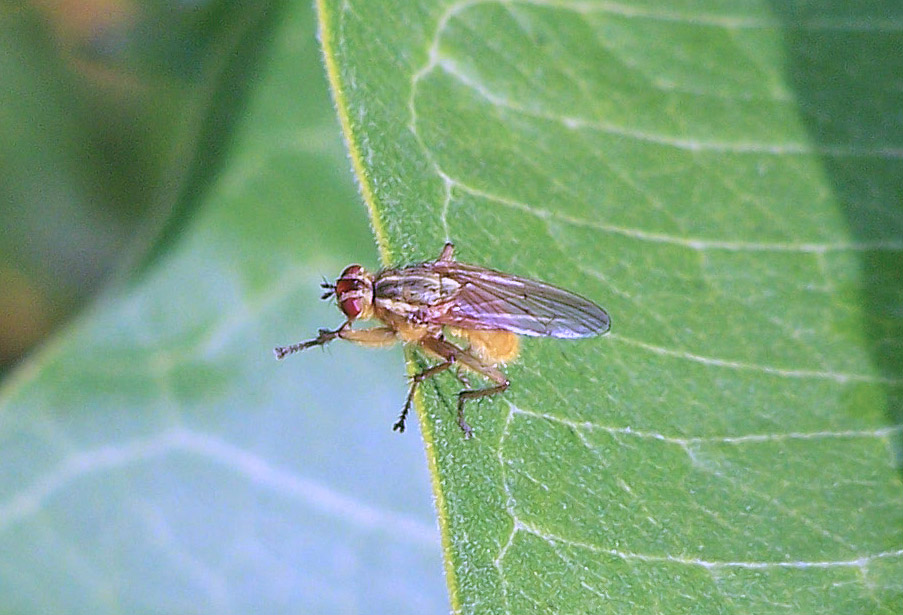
x: 492, y: 346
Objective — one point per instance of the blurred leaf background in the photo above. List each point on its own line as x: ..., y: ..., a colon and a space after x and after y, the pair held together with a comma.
x: 174, y: 187
x: 112, y: 113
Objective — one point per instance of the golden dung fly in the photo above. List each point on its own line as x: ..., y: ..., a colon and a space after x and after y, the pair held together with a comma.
x: 487, y: 309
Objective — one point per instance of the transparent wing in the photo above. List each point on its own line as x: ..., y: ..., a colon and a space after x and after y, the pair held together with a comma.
x: 489, y: 299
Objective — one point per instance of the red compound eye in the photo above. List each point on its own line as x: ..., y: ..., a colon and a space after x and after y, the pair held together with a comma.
x: 351, y: 271
x: 349, y: 290
x: 351, y: 307
x: 343, y: 286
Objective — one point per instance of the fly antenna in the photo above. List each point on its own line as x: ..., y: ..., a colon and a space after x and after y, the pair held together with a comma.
x: 330, y: 289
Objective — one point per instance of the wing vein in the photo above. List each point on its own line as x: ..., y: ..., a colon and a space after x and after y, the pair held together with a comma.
x: 490, y: 299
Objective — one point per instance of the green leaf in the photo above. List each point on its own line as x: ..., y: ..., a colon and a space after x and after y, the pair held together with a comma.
x: 724, y: 178
x: 156, y: 458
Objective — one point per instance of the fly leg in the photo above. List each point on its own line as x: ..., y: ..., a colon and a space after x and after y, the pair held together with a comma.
x: 448, y: 252
x: 325, y: 336
x: 416, y: 379
x: 466, y: 394
x: 376, y: 336
x: 452, y: 353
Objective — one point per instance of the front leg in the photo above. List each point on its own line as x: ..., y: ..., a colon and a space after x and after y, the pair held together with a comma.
x: 376, y: 336
x: 325, y: 336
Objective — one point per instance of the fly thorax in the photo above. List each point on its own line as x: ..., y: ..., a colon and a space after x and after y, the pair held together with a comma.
x: 409, y: 292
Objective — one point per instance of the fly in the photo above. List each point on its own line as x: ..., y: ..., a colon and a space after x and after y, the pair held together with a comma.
x: 488, y: 309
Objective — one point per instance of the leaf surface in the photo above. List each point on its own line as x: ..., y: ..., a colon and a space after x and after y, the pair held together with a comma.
x: 724, y: 179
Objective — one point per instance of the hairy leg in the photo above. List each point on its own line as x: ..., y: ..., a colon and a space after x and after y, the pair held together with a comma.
x: 376, y: 336
x: 453, y: 354
x: 415, y: 382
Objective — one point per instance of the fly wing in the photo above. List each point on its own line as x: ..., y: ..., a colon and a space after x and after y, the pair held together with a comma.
x: 490, y: 299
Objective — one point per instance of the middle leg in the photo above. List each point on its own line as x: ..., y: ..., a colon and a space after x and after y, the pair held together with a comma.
x: 416, y: 379
x: 465, y: 358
